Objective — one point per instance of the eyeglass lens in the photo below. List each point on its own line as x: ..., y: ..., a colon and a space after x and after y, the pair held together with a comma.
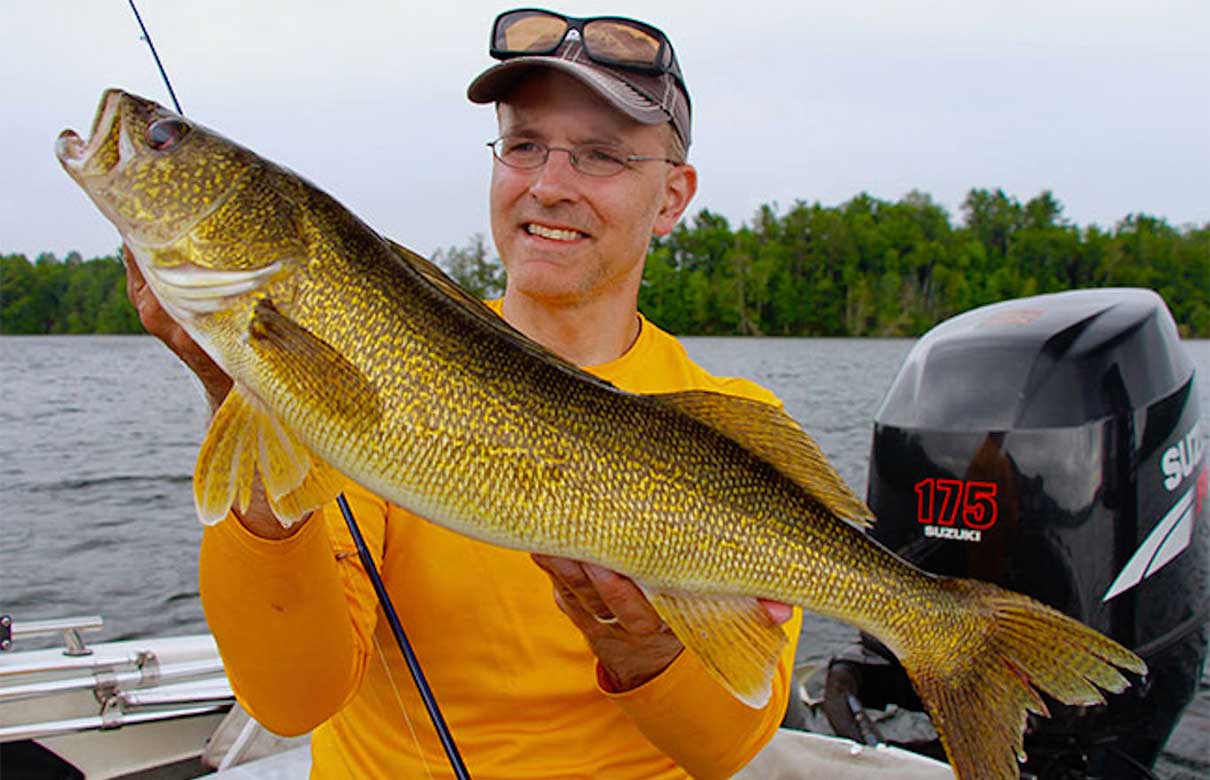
x: 594, y: 160
x: 529, y: 31
x: 609, y: 39
x: 621, y: 42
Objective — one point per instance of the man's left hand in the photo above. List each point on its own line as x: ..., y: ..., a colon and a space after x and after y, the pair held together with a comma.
x: 628, y: 637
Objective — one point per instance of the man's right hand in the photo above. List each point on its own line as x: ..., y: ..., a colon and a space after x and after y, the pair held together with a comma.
x: 259, y: 518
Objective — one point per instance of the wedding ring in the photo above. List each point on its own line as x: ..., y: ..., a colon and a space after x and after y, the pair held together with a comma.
x: 609, y: 620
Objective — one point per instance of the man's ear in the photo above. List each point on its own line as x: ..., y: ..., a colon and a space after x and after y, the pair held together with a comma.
x: 679, y: 188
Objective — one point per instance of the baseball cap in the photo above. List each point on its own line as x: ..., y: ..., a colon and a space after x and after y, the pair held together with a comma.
x: 649, y: 94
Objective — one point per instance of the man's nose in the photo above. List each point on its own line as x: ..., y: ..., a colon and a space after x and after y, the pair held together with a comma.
x: 557, y: 179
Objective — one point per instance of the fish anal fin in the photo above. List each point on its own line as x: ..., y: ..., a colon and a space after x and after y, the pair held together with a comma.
x: 305, y: 366
x: 732, y: 636
x: 245, y: 439
x: 777, y: 439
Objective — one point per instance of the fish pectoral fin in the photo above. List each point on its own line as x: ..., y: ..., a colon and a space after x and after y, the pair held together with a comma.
x: 777, y: 439
x: 313, y: 370
x: 733, y: 636
x: 245, y: 438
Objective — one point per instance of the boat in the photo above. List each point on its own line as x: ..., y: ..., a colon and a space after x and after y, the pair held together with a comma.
x: 144, y: 708
x: 1049, y: 444
x: 161, y: 709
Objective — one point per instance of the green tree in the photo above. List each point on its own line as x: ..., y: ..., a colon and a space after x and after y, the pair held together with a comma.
x: 18, y: 297
x: 472, y: 268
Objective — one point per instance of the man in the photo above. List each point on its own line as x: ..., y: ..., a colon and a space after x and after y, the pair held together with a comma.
x: 594, y: 125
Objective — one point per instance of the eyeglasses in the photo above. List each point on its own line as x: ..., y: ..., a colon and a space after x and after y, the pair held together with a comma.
x: 589, y: 159
x: 609, y: 40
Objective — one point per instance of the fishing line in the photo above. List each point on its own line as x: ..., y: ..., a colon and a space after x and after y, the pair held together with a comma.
x: 158, y: 64
x: 367, y: 561
x: 422, y: 685
x: 382, y: 658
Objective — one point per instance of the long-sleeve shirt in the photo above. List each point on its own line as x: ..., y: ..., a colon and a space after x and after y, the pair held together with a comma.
x: 306, y: 646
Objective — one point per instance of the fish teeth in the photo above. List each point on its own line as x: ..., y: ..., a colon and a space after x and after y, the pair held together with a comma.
x: 555, y: 234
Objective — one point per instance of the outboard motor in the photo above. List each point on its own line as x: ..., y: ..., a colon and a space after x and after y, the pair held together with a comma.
x: 1052, y: 445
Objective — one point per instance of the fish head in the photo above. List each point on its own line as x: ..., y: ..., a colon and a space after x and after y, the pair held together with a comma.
x: 204, y: 217
x: 153, y: 173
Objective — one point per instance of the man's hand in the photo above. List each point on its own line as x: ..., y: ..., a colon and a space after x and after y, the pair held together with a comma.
x: 624, y: 631
x: 157, y: 322
x: 259, y: 518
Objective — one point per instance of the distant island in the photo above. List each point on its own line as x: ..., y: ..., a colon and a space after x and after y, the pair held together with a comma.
x: 867, y: 267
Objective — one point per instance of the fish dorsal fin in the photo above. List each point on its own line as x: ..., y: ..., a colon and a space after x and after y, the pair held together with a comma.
x: 433, y: 274
x: 732, y: 635
x: 774, y: 437
x: 307, y: 367
x: 439, y: 279
x: 245, y: 438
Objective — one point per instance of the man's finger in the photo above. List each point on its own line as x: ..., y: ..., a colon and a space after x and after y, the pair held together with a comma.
x: 777, y: 611
x: 605, y: 596
x: 571, y: 576
x: 624, y: 599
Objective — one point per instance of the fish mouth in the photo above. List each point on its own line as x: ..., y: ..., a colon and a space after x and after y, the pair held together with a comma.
x: 72, y: 150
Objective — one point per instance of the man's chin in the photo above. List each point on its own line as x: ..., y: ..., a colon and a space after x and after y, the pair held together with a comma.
x: 547, y: 281
x: 551, y: 292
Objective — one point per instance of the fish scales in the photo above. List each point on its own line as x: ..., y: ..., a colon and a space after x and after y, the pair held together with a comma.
x: 354, y: 358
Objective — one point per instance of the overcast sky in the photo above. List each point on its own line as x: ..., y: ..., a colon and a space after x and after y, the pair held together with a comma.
x: 1105, y: 103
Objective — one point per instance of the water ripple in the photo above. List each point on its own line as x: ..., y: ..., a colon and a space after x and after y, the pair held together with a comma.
x: 127, y: 481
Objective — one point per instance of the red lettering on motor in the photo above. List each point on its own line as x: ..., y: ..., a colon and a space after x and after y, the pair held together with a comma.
x: 944, y: 501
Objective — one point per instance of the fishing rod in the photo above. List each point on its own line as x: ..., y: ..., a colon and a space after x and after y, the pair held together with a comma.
x: 156, y: 56
x: 363, y: 552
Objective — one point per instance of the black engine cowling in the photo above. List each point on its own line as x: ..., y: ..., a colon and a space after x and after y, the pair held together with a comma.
x: 1052, y: 445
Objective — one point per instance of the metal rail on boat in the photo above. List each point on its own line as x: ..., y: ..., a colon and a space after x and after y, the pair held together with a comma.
x: 146, y: 672
x: 73, y: 689
x: 70, y: 628
x: 106, y: 720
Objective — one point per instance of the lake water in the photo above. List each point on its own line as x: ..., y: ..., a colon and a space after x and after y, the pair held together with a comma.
x: 98, y: 437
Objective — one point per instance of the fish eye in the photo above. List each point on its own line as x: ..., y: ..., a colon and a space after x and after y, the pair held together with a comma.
x: 166, y: 133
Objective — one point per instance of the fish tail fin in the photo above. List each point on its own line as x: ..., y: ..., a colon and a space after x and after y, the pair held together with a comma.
x: 978, y: 680
x: 243, y: 439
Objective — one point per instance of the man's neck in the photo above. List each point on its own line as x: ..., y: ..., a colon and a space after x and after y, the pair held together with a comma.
x: 585, y: 333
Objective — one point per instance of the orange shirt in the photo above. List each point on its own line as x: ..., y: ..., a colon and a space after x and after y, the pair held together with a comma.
x: 306, y: 647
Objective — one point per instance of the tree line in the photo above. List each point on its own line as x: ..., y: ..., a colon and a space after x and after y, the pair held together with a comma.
x: 875, y: 268
x: 867, y: 267
x: 71, y: 295
x: 871, y: 267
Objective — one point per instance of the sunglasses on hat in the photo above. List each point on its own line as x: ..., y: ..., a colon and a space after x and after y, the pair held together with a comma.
x: 608, y: 40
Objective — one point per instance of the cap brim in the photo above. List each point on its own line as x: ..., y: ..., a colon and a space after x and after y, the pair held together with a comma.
x: 496, y: 82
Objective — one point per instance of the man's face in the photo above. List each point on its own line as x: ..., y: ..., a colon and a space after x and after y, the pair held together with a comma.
x: 566, y: 237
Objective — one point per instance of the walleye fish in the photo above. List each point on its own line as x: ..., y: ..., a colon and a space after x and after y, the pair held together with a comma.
x: 352, y: 356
